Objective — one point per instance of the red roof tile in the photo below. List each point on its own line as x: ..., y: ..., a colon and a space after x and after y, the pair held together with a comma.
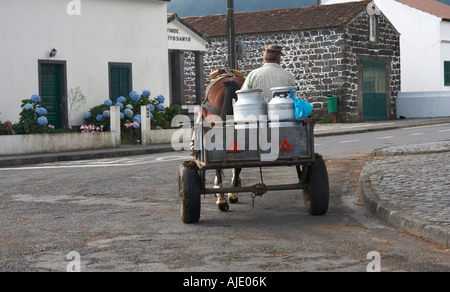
x: 431, y: 6
x: 288, y: 19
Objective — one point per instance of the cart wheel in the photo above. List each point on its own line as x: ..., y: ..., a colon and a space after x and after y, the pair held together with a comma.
x: 317, y: 193
x: 189, y: 187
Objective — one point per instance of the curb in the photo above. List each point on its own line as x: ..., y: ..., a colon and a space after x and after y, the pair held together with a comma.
x: 397, y: 218
x: 412, y: 124
x: 359, y: 131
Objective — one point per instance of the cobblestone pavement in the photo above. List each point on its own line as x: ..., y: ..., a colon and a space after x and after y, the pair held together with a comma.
x: 409, y: 186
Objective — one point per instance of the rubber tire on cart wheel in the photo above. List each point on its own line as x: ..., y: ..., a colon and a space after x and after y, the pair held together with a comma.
x: 189, y: 191
x: 317, y: 193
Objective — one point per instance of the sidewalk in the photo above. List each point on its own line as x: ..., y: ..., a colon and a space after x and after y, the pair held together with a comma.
x: 408, y: 192
x: 408, y: 187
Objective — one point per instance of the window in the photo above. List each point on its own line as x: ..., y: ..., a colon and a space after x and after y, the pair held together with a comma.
x: 447, y: 73
x: 373, y: 20
x: 119, y: 80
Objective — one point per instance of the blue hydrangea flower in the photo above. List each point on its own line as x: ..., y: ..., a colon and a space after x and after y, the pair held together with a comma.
x: 122, y: 99
x: 28, y: 107
x: 122, y: 116
x: 152, y: 107
x: 87, y: 115
x: 129, y: 113
x: 129, y: 106
x: 151, y: 116
x: 107, y: 114
x: 160, y: 107
x: 99, y: 118
x: 137, y: 119
x: 108, y: 102
x: 160, y: 98
x: 119, y: 104
x: 146, y: 93
x: 135, y: 96
x: 36, y: 98
x: 42, y: 111
x: 42, y: 121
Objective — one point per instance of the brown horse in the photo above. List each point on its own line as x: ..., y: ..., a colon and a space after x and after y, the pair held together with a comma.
x: 218, y: 103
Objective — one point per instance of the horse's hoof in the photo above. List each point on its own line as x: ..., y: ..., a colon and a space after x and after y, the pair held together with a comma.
x: 233, y: 198
x: 223, y: 206
x: 234, y: 201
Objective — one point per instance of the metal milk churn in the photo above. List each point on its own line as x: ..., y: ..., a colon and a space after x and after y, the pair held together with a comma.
x: 281, y: 105
x: 249, y: 107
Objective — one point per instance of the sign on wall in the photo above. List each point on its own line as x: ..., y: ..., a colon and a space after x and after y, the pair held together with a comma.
x: 181, y: 38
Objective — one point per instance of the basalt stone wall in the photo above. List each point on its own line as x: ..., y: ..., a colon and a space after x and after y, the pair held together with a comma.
x: 359, y: 48
x: 324, y: 61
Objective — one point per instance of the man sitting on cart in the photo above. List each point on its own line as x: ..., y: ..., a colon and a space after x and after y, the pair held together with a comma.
x: 270, y: 75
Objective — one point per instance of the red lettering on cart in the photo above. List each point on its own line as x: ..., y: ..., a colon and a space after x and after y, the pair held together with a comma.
x: 234, y: 147
x: 285, y: 146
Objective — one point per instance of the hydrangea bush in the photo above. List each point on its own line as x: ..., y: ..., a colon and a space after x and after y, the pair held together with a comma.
x: 130, y: 119
x: 6, y: 128
x: 33, y: 118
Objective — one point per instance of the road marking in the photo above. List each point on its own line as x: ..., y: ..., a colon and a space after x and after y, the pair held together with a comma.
x: 100, y: 163
x: 416, y: 134
x: 426, y: 126
x: 442, y: 131
x: 387, y: 137
x: 349, y: 141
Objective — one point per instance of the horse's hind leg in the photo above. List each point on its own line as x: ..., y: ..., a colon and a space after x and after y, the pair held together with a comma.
x: 235, y: 182
x: 221, y: 201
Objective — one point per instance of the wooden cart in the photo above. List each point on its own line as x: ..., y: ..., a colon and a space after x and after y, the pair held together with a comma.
x: 244, y: 145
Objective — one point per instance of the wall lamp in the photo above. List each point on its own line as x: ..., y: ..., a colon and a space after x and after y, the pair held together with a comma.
x: 53, y: 53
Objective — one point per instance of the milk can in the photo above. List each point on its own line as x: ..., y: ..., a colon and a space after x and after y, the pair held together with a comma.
x: 281, y: 106
x: 249, y: 107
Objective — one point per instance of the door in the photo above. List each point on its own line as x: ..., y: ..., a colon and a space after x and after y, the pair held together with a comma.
x: 51, y: 92
x: 176, y: 59
x: 374, y: 96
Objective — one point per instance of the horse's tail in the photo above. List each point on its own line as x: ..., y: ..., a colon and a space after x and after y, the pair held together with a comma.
x: 230, y: 92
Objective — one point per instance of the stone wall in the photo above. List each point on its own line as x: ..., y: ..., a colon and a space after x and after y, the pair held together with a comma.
x: 324, y: 61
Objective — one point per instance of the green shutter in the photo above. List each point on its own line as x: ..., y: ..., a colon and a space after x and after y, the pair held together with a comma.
x: 447, y: 73
x: 120, y: 81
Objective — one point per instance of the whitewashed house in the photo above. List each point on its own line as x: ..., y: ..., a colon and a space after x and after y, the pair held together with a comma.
x: 106, y: 48
x: 424, y: 26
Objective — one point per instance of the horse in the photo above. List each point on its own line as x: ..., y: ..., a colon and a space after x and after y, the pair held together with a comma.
x: 218, y: 102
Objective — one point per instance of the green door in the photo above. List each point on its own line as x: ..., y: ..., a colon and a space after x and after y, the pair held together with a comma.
x: 374, y: 96
x: 51, y: 93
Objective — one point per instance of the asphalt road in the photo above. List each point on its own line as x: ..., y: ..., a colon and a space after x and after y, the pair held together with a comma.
x: 122, y: 214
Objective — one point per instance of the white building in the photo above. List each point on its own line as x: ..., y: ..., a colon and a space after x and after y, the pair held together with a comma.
x: 105, y: 47
x: 424, y: 26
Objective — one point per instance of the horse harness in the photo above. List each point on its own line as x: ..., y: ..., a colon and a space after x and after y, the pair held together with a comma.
x: 216, y: 76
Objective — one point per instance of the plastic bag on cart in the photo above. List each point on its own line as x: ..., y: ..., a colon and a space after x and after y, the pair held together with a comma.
x: 302, y: 109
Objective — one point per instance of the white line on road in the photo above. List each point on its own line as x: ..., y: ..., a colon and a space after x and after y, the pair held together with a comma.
x: 349, y: 141
x: 416, y: 134
x: 442, y: 131
x: 387, y: 137
x: 100, y: 164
